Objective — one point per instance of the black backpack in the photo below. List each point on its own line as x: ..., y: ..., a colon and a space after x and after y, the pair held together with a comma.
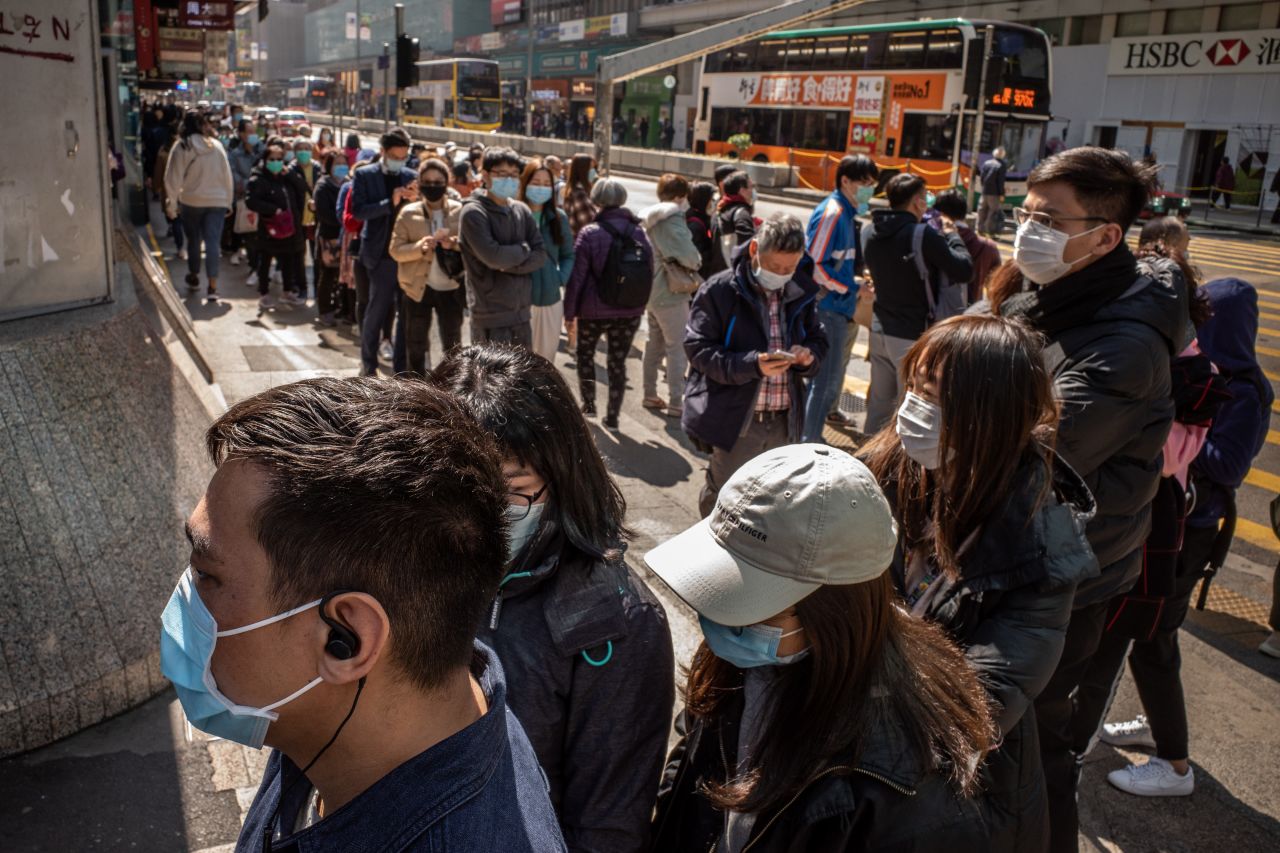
x: 627, y: 278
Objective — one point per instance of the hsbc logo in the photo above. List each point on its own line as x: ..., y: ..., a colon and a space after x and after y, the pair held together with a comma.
x: 1225, y: 52
x: 1219, y: 53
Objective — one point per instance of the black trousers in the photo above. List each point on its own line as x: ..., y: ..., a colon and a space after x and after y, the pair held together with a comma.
x: 1054, y: 711
x: 328, y: 291
x: 361, y: 275
x: 1156, y: 664
x: 619, y: 334
x: 447, y: 306
x: 292, y: 269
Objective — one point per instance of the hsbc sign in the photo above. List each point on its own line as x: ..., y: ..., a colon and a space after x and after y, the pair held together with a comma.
x: 1253, y: 51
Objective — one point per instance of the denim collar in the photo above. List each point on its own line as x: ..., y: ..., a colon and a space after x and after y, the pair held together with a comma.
x: 398, y: 808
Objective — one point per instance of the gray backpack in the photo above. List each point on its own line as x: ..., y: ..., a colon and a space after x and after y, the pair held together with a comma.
x: 952, y: 297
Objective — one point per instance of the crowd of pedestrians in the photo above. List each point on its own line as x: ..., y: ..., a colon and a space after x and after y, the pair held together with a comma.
x: 916, y: 642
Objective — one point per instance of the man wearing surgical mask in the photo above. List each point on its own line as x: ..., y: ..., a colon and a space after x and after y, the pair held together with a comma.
x: 315, y: 639
x: 753, y: 336
x: 1112, y: 325
x: 501, y: 249
x: 378, y: 192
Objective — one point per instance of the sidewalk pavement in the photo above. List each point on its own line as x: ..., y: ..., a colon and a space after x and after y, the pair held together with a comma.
x: 148, y: 779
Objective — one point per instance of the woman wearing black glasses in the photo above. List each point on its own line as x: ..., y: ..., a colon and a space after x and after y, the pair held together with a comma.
x: 584, y: 644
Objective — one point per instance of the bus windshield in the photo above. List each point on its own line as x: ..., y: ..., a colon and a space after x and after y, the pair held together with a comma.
x: 475, y: 111
x: 478, y: 80
x: 1026, y: 54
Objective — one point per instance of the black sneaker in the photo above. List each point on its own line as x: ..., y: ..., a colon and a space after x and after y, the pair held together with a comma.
x: 610, y: 421
x: 589, y: 410
x: 193, y: 282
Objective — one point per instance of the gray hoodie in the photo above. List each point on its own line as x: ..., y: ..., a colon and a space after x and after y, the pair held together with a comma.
x: 501, y: 248
x: 198, y: 174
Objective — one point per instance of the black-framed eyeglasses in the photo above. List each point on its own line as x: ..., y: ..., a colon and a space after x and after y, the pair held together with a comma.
x: 523, y: 505
x: 1022, y: 215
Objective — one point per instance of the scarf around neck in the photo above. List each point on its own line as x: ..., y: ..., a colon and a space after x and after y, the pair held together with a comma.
x: 1074, y: 299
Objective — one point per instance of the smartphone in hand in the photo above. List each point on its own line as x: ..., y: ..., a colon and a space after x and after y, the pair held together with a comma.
x: 777, y: 355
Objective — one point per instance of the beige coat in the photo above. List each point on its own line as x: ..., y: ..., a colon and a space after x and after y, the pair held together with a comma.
x: 411, y: 226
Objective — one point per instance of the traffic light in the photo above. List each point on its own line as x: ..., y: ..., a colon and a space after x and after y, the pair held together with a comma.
x: 408, y: 50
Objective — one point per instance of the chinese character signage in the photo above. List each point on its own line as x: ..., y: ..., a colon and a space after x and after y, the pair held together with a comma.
x: 207, y: 14
x: 505, y: 11
x: 868, y: 101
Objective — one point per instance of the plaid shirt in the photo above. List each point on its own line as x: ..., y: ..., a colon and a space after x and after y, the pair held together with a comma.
x: 579, y: 209
x: 775, y: 391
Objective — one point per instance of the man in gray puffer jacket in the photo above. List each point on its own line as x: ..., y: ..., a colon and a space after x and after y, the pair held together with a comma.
x: 501, y: 248
x: 1112, y: 328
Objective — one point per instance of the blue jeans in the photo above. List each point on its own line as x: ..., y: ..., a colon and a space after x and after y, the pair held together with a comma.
x: 384, y: 293
x: 826, y: 386
x: 203, y: 223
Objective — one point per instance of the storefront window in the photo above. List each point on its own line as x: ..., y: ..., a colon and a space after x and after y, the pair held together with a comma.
x: 1133, y: 24
x: 1245, y: 16
x: 1182, y: 21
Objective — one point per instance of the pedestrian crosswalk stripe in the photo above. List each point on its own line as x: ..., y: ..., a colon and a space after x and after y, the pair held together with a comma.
x: 1273, y: 437
x: 1263, y: 480
x: 1260, y: 535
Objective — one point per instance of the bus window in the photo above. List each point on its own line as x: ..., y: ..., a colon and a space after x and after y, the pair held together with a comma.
x: 771, y: 55
x: 857, y: 59
x: 877, y: 43
x: 927, y: 137
x: 946, y: 49
x: 447, y: 112
x: 906, y: 50
x: 760, y: 124
x: 1026, y: 54
x: 798, y: 54
x: 822, y: 130
x: 438, y: 72
x: 830, y: 53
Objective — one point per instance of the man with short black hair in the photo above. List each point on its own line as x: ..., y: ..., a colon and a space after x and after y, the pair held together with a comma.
x: 736, y: 220
x: 1113, y: 327
x: 753, y: 337
x: 378, y: 191
x: 984, y: 253
x: 723, y: 171
x: 393, y: 731
x: 902, y: 308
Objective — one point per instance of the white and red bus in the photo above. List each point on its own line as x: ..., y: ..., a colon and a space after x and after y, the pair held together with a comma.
x: 892, y: 91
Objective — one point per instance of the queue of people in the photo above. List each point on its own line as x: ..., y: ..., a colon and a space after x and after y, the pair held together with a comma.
x: 1033, y: 431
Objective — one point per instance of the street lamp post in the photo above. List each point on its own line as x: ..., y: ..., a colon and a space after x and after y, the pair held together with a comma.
x: 386, y: 86
x: 528, y: 76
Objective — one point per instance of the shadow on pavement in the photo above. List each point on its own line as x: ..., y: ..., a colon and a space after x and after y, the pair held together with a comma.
x: 1212, y: 817
x: 1235, y: 637
x: 661, y: 465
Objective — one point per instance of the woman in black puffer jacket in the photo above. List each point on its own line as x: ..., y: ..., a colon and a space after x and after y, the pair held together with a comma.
x: 991, y: 534
x: 277, y: 192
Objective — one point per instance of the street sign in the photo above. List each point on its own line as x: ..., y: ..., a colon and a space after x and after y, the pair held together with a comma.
x: 384, y: 62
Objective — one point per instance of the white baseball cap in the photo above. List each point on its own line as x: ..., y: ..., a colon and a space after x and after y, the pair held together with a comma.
x: 789, y: 521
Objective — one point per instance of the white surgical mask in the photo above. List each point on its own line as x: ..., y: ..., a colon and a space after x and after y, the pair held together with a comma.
x: 521, y: 530
x: 768, y: 279
x: 919, y: 429
x: 1038, y: 250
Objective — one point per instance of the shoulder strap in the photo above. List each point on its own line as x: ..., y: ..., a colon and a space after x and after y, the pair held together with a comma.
x: 917, y: 254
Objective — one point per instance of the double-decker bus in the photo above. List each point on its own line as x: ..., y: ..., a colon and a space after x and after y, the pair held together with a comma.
x: 309, y: 93
x: 462, y: 93
x: 892, y: 91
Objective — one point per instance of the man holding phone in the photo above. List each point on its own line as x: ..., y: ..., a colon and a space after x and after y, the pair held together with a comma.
x: 753, y: 336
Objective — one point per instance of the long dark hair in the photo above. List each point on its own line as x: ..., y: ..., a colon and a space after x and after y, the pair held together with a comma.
x: 524, y: 402
x: 549, y: 214
x: 193, y: 122
x: 998, y: 414
x: 867, y: 657
x: 1164, y: 237
x: 579, y: 168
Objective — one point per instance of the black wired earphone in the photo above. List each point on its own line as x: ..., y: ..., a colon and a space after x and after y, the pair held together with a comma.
x: 343, y: 644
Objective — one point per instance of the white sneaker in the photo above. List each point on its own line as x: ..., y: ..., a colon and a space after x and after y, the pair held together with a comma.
x: 235, y: 259
x: 1271, y: 645
x: 275, y: 276
x: 252, y: 280
x: 181, y: 254
x: 385, y: 351
x: 266, y: 302
x: 1156, y: 778
x: 1134, y: 732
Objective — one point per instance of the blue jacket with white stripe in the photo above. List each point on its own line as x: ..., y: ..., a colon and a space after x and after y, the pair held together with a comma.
x: 834, y: 246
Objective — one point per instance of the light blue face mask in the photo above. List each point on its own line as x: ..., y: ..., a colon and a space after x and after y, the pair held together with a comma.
x: 538, y: 195
x: 391, y: 167
x: 252, y: 139
x: 749, y: 646
x: 929, y: 199
x: 864, y: 196
x: 592, y: 174
x: 188, y: 635
x: 505, y: 187
x: 521, y: 530
x: 340, y: 172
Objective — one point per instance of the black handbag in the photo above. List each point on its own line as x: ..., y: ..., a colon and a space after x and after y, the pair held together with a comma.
x: 450, y: 260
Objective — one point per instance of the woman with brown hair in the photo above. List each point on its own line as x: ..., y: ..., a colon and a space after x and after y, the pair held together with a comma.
x: 818, y: 714
x: 577, y: 192
x: 991, y: 537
